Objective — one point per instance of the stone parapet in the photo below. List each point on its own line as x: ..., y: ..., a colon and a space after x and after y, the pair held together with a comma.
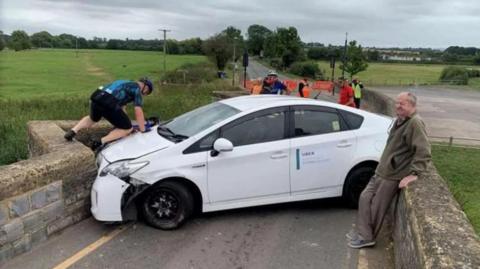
x: 49, y: 191
x: 430, y: 229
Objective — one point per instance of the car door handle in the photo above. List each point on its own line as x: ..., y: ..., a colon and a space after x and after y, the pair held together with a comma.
x: 344, y: 144
x: 279, y: 156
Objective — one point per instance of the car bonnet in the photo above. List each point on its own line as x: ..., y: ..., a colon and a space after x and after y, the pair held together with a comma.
x: 135, y: 145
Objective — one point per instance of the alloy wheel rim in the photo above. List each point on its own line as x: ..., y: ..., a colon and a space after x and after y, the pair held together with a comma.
x: 164, y: 206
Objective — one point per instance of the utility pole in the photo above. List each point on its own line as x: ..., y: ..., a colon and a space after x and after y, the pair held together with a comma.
x: 234, y: 64
x: 245, y: 64
x: 164, y: 49
x: 344, y: 60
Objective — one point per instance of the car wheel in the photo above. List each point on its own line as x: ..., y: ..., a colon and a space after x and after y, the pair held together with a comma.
x: 355, y: 183
x: 167, y: 205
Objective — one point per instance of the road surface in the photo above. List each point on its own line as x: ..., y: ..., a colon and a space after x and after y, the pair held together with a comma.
x: 299, y: 235
x: 446, y: 111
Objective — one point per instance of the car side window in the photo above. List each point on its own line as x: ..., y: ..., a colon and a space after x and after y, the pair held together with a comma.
x: 204, y: 144
x: 314, y: 122
x: 353, y: 120
x: 258, y: 129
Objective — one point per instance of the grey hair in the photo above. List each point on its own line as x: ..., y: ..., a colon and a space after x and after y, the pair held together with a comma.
x: 411, y: 97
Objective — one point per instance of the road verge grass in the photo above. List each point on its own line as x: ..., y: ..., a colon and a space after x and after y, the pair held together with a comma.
x: 167, y: 102
x: 459, y: 167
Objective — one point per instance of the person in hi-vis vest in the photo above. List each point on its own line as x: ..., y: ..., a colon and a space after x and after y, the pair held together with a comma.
x: 357, y: 92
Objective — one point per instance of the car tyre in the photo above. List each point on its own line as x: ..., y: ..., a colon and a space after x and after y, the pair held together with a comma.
x: 167, y: 205
x: 355, y: 183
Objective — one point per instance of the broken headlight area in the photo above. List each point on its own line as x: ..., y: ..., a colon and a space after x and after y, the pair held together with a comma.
x: 128, y: 205
x: 123, y: 169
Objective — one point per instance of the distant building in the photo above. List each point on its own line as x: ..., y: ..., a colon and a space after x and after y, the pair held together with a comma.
x: 399, y: 55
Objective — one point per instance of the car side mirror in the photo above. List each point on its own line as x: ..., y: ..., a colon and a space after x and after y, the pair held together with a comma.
x: 221, y: 145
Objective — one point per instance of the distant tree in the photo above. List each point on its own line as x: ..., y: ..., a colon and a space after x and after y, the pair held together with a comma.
x: 2, y: 41
x: 318, y: 53
x: 115, y: 44
x: 219, y: 50
x: 233, y: 33
x: 173, y: 47
x: 469, y: 51
x: 271, y: 46
x: 476, y: 59
x: 42, y: 39
x: 356, y: 61
x: 235, y: 38
x: 191, y: 46
x: 285, y: 44
x: 82, y: 43
x: 256, y: 38
x: 373, y: 55
x: 450, y: 57
x: 19, y: 41
x: 335, y: 51
x: 97, y: 43
x: 307, y: 69
x: 66, y: 41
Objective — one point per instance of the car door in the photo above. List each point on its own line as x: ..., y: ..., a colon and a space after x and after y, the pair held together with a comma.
x: 258, y: 166
x: 322, y: 147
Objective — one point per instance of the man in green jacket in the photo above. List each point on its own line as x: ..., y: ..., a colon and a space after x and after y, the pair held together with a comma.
x: 406, y: 157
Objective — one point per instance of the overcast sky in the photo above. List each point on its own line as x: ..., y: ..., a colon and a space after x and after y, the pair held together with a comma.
x: 381, y: 23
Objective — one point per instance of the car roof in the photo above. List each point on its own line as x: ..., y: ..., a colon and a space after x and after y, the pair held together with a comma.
x: 253, y: 102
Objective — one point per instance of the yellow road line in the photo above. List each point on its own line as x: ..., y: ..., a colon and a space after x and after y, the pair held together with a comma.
x: 362, y: 259
x: 88, y: 249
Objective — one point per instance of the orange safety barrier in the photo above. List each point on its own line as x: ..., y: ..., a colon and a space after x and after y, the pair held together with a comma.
x: 306, y: 92
x: 249, y: 85
x: 291, y: 85
x: 256, y: 89
x: 323, y: 85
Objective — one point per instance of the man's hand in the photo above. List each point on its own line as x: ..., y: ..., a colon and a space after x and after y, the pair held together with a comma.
x: 406, y: 180
x: 140, y: 118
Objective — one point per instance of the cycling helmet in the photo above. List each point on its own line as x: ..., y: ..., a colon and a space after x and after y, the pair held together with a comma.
x: 147, y: 82
x: 272, y: 73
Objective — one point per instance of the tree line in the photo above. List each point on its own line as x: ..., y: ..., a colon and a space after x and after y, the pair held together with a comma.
x: 282, y: 48
x: 20, y: 40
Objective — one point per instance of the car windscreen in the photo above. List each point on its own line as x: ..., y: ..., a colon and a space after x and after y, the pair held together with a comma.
x: 197, y: 120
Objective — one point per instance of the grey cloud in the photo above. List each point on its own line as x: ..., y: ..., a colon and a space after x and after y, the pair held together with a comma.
x: 371, y: 22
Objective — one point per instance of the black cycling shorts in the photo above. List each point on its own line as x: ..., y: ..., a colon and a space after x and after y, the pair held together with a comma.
x: 117, y: 117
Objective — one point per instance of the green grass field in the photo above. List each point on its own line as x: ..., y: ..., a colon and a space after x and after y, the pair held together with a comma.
x: 459, y: 167
x: 397, y: 74
x: 167, y: 101
x: 60, y: 73
x: 55, y: 84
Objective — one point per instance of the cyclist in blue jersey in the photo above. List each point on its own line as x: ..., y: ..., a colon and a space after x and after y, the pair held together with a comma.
x: 271, y: 84
x: 110, y: 101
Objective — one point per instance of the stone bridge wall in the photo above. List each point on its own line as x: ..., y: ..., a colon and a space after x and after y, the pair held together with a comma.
x: 46, y: 193
x: 430, y: 230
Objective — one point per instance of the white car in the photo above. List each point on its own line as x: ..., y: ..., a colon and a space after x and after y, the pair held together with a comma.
x: 239, y: 152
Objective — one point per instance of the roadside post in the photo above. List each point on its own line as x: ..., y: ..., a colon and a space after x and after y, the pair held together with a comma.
x: 332, y: 65
x: 344, y: 60
x: 245, y: 65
